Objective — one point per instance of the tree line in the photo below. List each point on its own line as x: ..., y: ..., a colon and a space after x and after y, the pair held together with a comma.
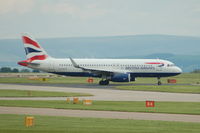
x: 16, y: 70
x: 196, y: 71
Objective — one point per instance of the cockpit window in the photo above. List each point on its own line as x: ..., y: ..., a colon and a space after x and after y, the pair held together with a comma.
x: 161, y: 65
x: 170, y: 65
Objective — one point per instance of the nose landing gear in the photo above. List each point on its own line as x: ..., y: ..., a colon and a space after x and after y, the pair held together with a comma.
x: 159, y: 82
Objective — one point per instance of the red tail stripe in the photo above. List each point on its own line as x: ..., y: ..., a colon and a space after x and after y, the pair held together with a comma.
x: 154, y: 63
x: 23, y: 63
x: 29, y: 41
x: 37, y: 57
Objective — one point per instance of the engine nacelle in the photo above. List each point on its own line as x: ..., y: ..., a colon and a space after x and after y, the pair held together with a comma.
x: 118, y: 77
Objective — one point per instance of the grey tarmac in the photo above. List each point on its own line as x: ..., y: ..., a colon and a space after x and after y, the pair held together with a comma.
x: 105, y: 94
x: 100, y: 114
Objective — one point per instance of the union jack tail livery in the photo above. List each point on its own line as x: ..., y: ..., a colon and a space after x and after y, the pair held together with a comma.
x: 33, y: 50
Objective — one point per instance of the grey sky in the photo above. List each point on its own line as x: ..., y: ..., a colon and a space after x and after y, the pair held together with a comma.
x: 71, y: 18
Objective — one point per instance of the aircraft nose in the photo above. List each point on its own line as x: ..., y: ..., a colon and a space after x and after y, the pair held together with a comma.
x: 179, y: 70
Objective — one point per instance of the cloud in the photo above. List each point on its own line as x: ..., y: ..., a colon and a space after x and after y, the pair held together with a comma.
x: 92, y: 10
x: 60, y: 8
x: 80, y: 11
x: 15, y: 6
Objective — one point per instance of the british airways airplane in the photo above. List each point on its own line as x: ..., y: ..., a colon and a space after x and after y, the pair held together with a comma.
x: 115, y: 70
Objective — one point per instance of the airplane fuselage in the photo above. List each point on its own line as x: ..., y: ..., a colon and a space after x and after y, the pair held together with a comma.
x: 135, y: 67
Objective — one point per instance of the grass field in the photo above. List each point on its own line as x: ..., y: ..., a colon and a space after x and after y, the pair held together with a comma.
x: 28, y: 93
x: 50, y: 124
x: 185, y: 78
x: 160, y: 107
x: 55, y: 80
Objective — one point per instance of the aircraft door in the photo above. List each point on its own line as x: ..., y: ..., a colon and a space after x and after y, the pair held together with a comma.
x: 51, y: 66
x: 159, y: 68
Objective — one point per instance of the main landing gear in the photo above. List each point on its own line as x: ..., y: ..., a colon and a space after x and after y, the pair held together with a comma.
x: 159, y: 82
x: 104, y: 82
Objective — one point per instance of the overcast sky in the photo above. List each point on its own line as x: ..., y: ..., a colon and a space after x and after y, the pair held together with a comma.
x: 72, y: 18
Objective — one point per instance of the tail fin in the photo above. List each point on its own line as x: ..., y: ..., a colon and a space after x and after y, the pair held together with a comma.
x: 33, y: 50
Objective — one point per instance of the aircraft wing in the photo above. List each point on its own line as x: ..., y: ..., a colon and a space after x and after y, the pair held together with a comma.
x: 97, y: 70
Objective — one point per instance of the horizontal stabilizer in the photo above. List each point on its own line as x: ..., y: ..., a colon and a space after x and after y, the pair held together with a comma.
x: 25, y: 63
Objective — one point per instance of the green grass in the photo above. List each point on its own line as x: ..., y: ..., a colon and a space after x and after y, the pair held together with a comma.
x: 185, y: 78
x: 56, y: 80
x: 188, y: 78
x: 160, y: 107
x: 30, y: 93
x: 163, y: 88
x: 52, y: 124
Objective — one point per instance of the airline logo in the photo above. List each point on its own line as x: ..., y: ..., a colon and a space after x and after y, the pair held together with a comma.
x: 33, y: 50
x: 154, y: 63
x: 160, y: 64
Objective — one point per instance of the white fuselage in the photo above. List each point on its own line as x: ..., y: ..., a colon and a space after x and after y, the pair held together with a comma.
x: 136, y: 67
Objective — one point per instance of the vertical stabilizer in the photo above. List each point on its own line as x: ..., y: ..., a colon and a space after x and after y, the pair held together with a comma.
x: 32, y: 48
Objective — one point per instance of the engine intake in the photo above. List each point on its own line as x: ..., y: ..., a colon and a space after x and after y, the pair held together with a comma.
x: 122, y: 77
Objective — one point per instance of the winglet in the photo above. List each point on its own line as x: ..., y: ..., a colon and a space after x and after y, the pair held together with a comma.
x: 74, y: 63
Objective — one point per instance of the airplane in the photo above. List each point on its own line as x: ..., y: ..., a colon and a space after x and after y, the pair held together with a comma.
x: 115, y: 70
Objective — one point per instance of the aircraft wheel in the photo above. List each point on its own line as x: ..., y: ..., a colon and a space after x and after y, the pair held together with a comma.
x: 159, y: 83
x: 101, y: 82
x: 104, y: 82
